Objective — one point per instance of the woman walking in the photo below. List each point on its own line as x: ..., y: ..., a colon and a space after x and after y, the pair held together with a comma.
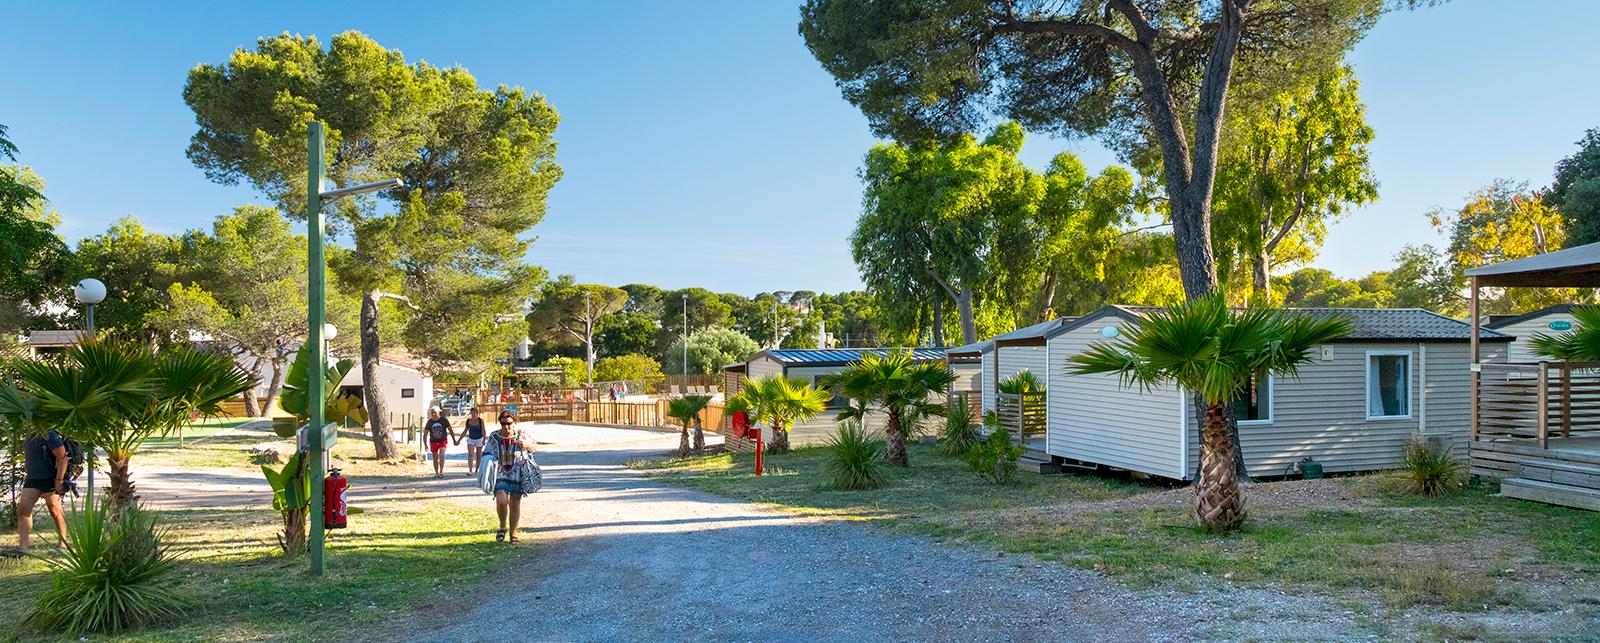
x: 474, y: 435
x: 510, y: 449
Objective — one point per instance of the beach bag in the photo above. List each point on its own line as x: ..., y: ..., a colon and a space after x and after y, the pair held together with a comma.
x: 532, y: 476
x: 488, y: 474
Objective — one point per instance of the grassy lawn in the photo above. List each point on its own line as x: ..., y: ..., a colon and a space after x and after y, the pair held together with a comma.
x: 199, y: 431
x: 395, y: 558
x: 231, y: 449
x: 1358, y: 536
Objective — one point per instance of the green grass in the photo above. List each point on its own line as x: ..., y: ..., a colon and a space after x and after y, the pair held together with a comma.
x: 1447, y: 551
x: 199, y: 431
x: 394, y: 559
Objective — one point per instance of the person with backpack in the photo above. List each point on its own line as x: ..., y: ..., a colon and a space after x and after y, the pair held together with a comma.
x: 45, y: 462
x: 512, y: 451
x: 474, y: 435
x: 439, y: 437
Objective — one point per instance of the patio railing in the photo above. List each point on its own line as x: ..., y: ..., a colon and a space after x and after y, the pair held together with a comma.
x: 1537, y: 401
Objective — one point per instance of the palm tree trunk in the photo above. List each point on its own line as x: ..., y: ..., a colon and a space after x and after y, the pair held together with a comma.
x: 377, y: 413
x: 699, y: 436
x: 1219, y: 502
x: 780, y: 439
x: 120, y: 490
x: 894, y: 449
x: 293, y: 540
x: 683, y: 440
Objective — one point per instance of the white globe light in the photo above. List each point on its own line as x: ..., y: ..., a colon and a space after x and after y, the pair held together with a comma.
x: 1109, y: 332
x: 89, y: 291
x: 329, y: 331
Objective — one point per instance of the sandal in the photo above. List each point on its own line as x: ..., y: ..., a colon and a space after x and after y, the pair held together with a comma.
x: 500, y: 536
x: 514, y: 539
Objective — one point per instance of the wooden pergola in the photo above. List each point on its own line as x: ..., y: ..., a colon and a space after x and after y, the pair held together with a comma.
x: 1536, y: 426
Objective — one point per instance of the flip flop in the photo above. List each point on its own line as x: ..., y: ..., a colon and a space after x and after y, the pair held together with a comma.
x: 514, y: 539
x: 500, y: 536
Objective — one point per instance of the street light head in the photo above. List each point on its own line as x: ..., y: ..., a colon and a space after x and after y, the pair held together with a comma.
x: 89, y: 291
x: 329, y: 331
x: 364, y: 188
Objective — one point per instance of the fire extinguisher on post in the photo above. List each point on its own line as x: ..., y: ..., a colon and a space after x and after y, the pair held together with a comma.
x: 334, y: 510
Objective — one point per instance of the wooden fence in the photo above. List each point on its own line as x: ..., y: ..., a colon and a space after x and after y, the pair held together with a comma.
x: 646, y: 414
x: 1536, y: 401
x: 1023, y: 414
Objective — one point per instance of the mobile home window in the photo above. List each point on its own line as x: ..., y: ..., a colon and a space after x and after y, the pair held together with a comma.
x: 1389, y: 384
x: 408, y: 392
x: 834, y: 403
x: 1254, y: 403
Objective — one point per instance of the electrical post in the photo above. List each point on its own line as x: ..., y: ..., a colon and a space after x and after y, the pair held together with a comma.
x: 316, y: 161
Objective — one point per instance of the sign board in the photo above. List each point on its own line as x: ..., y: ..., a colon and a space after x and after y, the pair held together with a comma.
x: 1560, y: 324
x: 330, y: 436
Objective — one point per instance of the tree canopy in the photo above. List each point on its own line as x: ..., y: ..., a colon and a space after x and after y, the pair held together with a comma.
x: 34, y: 261
x: 1576, y: 190
x: 709, y: 350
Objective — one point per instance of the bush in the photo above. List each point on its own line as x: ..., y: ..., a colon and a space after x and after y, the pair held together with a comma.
x: 1430, y: 470
x: 960, y: 430
x: 632, y: 368
x: 855, y: 461
x: 111, y: 575
x: 1023, y: 382
x: 994, y: 459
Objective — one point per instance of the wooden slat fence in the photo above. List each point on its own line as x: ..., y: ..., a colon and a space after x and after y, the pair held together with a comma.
x: 1537, y: 401
x: 1023, y: 414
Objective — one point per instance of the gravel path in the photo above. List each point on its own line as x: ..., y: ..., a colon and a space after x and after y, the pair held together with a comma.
x: 624, y: 558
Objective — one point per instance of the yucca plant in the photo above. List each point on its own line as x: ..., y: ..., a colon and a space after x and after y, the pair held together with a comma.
x: 899, y: 386
x: 780, y: 401
x: 1212, y: 351
x: 1429, y: 470
x: 855, y: 460
x: 686, y: 410
x: 111, y: 575
x: 960, y: 429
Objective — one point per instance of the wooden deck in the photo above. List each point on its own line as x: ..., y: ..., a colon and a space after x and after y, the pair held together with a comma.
x: 1567, y: 473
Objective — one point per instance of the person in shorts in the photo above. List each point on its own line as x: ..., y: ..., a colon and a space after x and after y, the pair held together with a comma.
x: 439, y: 435
x: 45, y: 463
x: 474, y: 436
x: 509, y: 446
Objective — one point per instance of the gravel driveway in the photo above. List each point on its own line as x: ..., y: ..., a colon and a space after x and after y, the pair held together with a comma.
x: 624, y: 558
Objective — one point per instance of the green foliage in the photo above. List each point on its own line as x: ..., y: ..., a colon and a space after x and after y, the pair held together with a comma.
x: 855, y: 461
x: 710, y: 349
x: 111, y: 575
x: 633, y: 368
x: 1575, y: 192
x: 1023, y: 382
x: 569, y: 314
x: 34, y: 261
x: 1208, y: 348
x: 705, y: 309
x: 994, y: 458
x: 686, y: 410
x: 291, y: 497
x: 1500, y: 222
x: 296, y: 385
x: 902, y: 388
x: 959, y: 433
x: 779, y: 401
x: 1581, y: 344
x: 1429, y: 470
x: 626, y: 333
x: 572, y: 366
x: 137, y: 266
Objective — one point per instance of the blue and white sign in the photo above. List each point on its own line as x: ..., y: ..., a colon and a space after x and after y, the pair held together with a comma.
x: 1561, y: 324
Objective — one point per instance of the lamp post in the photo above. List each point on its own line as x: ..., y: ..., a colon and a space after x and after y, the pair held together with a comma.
x: 317, y: 329
x: 89, y: 292
x: 686, y: 341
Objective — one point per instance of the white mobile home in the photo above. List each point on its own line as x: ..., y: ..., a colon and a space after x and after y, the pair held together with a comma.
x: 966, y: 363
x: 1550, y: 320
x: 1020, y: 350
x: 811, y: 365
x: 1400, y: 373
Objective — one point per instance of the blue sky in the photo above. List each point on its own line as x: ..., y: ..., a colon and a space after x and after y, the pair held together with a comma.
x: 704, y: 146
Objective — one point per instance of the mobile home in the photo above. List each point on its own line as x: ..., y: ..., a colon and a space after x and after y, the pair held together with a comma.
x: 811, y: 366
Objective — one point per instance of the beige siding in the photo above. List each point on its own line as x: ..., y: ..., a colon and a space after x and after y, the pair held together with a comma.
x: 1521, y: 349
x: 1015, y: 359
x: 968, y: 376
x: 988, y: 387
x: 762, y: 366
x: 1093, y: 418
x: 1323, y: 414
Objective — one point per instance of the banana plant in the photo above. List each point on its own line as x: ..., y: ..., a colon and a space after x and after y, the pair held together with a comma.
x: 291, y: 496
x: 336, y: 408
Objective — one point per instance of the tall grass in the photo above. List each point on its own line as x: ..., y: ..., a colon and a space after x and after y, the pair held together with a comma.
x: 855, y: 461
x: 960, y: 430
x: 1430, y: 470
x: 112, y: 574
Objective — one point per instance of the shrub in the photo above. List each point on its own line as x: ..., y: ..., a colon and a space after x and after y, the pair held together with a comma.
x: 632, y: 368
x: 1023, y: 382
x: 960, y: 430
x: 1430, y: 470
x: 994, y: 459
x: 855, y: 461
x: 112, y: 574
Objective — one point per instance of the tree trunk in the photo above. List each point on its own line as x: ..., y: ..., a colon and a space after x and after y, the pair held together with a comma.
x: 894, y: 437
x: 251, y: 408
x: 938, y: 320
x: 120, y: 489
x: 683, y: 440
x: 1198, y: 403
x: 699, y: 436
x: 293, y: 538
x: 377, y: 412
x: 969, y: 325
x: 780, y: 439
x: 274, y: 387
x: 1260, y: 281
x: 1219, y: 502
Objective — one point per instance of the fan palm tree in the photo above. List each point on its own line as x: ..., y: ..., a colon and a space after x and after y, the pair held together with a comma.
x: 687, y: 409
x: 1212, y: 351
x: 1581, y: 344
x: 115, y: 395
x: 780, y: 401
x: 899, y: 386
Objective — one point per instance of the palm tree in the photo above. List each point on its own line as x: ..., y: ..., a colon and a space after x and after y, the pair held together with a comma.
x: 115, y: 395
x: 781, y: 402
x: 687, y: 409
x: 1212, y: 351
x: 1581, y: 344
x: 900, y: 387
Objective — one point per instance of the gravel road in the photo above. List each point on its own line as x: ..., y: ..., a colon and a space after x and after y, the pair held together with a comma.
x: 624, y: 558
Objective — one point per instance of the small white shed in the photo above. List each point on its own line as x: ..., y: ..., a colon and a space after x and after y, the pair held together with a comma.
x: 1402, y: 372
x: 407, y: 390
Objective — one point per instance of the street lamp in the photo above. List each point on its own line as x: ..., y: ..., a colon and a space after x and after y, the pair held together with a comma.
x: 318, y: 330
x: 89, y: 292
x: 685, y: 341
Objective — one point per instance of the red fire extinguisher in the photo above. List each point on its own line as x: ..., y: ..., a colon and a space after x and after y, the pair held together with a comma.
x: 334, y: 510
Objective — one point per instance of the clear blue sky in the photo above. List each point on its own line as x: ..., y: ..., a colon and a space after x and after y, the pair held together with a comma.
x: 704, y: 146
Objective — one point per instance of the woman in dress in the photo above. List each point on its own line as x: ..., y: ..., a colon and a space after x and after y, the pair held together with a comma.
x: 474, y: 436
x: 509, y: 446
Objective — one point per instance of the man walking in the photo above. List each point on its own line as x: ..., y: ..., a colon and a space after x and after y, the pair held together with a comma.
x: 45, y: 462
